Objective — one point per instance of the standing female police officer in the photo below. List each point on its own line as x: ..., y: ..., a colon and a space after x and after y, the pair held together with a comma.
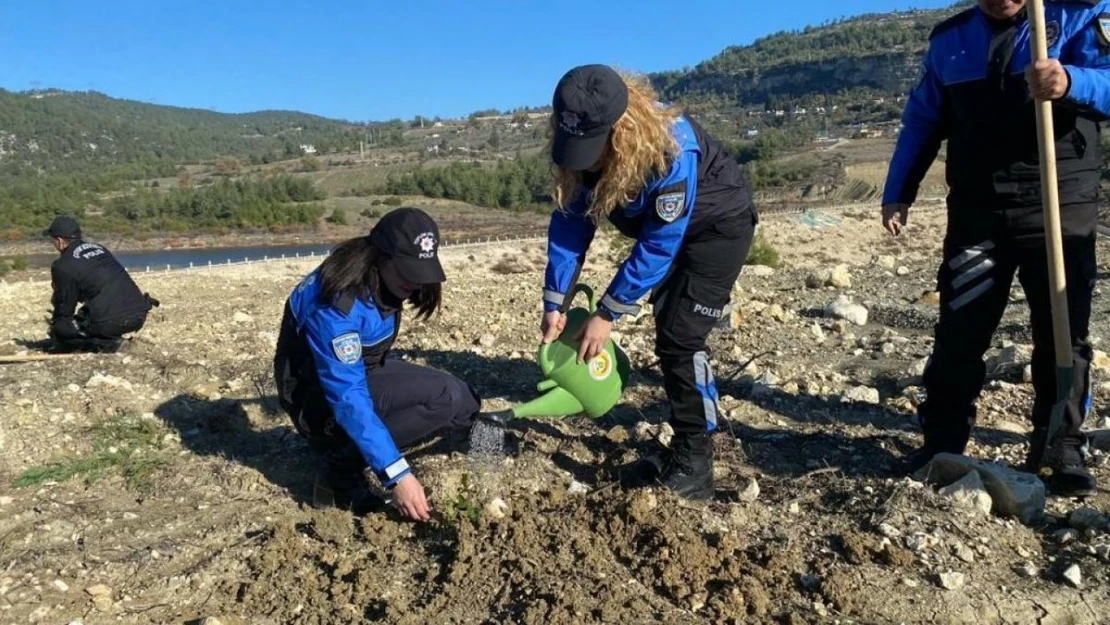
x: 662, y: 180
x: 355, y: 407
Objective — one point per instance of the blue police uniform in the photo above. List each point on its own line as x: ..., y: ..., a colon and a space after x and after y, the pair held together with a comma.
x: 973, y: 93
x: 356, y: 407
x: 693, y: 227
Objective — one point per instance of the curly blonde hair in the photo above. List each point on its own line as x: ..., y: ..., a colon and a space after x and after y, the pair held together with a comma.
x: 640, y: 146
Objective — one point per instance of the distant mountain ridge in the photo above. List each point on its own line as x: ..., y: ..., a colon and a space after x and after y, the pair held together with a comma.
x: 53, y: 131
x: 878, y: 53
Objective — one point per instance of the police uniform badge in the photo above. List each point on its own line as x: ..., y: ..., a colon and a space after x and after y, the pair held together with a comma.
x: 1051, y: 33
x: 348, y: 347
x: 670, y: 205
x: 1102, y: 27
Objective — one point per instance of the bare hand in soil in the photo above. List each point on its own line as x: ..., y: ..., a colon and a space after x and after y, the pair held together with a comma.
x: 552, y: 324
x: 593, y: 336
x: 408, y: 496
x: 889, y: 212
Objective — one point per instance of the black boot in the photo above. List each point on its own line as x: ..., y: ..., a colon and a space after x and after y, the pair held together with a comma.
x: 644, y: 471
x: 689, y: 471
x: 1061, y: 469
x: 341, y: 484
x: 945, y: 437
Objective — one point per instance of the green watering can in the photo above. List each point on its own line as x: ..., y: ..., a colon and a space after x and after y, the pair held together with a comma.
x: 570, y: 388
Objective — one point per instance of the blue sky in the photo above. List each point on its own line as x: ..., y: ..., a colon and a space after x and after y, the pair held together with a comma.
x: 369, y: 60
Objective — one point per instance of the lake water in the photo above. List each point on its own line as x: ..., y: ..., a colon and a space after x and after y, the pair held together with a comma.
x: 181, y: 258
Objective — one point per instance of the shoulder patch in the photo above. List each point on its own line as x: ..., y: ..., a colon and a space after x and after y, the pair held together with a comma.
x: 86, y: 251
x: 671, y: 202
x: 1102, y: 27
x: 348, y: 347
x: 952, y: 22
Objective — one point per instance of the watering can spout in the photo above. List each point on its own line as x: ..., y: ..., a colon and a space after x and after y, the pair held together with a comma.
x: 557, y: 402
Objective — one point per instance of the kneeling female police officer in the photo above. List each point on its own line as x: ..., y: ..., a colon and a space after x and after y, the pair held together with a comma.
x: 356, y: 408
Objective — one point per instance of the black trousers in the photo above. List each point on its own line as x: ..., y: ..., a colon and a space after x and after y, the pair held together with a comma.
x: 413, y: 402
x: 96, y: 335
x: 689, y: 302
x: 982, y: 252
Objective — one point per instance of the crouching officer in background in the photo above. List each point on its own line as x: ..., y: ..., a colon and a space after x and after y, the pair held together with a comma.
x: 978, y: 92
x: 356, y: 408
x: 658, y: 177
x: 87, y: 273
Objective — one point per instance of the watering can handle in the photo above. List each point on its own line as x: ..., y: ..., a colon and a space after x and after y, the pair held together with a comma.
x: 590, y: 297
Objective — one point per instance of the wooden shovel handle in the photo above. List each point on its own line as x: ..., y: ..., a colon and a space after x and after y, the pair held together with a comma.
x: 1057, y: 282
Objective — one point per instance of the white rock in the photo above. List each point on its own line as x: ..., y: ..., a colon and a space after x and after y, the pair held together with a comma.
x: 750, y: 492
x: 843, y: 308
x: 1013, y: 493
x: 5, y: 500
x: 60, y: 585
x: 902, y: 270
x: 666, y: 433
x: 917, y: 369
x: 497, y: 508
x: 758, y: 271
x: 241, y: 317
x: 816, y: 332
x: 952, y: 580
x: 99, y: 590
x: 1010, y: 358
x: 644, y: 432
x: 99, y: 379
x: 861, y: 394
x: 970, y: 492
x: 577, y: 488
x: 920, y: 541
x: 1073, y: 576
x: 73, y: 388
x: 964, y: 553
x: 487, y: 340
x: 1028, y: 569
x: 888, y: 530
x: 839, y: 277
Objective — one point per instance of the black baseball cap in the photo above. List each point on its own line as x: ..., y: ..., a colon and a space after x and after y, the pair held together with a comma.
x: 63, y: 226
x: 588, y: 101
x: 411, y: 238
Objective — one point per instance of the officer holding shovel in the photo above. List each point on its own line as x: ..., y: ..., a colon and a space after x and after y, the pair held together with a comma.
x: 978, y: 92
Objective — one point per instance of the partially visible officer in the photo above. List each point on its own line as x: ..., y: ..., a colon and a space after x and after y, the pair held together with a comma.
x: 357, y: 408
x: 87, y: 273
x: 978, y: 92
x: 664, y: 182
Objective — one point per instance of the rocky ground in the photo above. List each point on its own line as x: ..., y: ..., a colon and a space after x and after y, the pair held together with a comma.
x: 162, y: 485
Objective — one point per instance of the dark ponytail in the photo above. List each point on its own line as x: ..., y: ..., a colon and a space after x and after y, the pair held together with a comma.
x: 352, y: 270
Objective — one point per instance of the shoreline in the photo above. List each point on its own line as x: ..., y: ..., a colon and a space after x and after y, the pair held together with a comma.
x: 38, y: 247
